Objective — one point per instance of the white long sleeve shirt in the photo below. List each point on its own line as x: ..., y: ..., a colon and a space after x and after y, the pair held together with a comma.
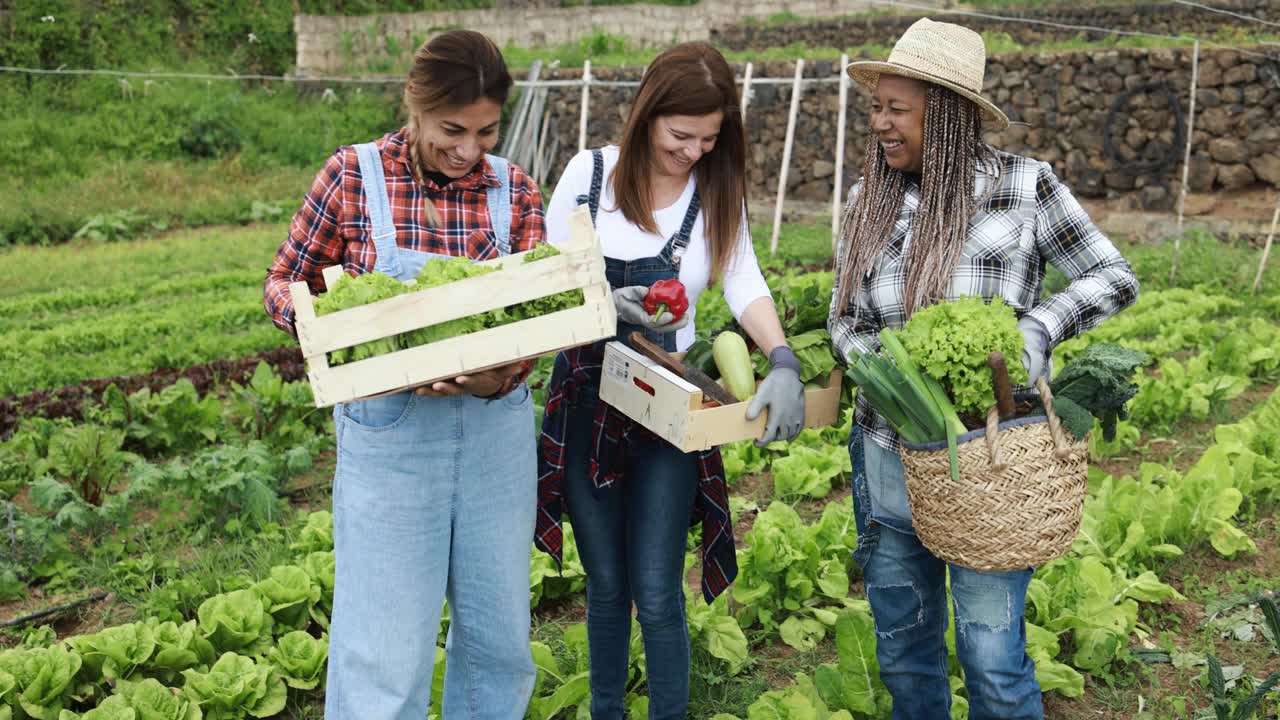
x: 742, y: 281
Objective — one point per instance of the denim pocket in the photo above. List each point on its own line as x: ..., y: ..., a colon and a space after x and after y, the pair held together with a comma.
x: 380, y: 413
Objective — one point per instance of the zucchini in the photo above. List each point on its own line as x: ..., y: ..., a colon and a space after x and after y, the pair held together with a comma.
x: 734, y: 362
x: 699, y: 356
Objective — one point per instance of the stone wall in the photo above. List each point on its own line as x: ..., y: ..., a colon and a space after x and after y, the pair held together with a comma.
x: 1157, y: 18
x: 332, y: 44
x: 1108, y: 121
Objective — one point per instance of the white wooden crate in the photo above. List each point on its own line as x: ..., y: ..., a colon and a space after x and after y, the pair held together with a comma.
x: 671, y: 407
x: 580, y: 265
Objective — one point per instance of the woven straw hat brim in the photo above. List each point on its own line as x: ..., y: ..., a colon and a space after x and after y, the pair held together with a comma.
x: 867, y: 73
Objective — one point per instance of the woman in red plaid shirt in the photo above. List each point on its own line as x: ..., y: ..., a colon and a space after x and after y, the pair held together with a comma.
x: 435, y: 489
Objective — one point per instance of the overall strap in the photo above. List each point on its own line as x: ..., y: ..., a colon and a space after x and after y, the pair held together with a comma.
x: 679, y: 242
x: 499, y: 201
x: 382, y: 230
x: 592, y: 198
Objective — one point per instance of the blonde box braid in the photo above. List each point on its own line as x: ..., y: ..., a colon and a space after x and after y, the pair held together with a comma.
x: 952, y: 147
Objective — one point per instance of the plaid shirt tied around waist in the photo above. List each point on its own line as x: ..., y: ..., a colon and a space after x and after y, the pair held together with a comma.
x: 609, y: 440
x: 1028, y: 218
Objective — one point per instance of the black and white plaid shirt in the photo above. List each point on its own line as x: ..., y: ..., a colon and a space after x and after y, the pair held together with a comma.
x: 1030, y: 218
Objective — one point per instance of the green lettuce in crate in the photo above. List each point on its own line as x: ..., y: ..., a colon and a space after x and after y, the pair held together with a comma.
x: 349, y: 292
x: 950, y: 342
x: 443, y: 272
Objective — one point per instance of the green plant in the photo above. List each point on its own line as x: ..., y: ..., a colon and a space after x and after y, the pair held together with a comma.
x: 236, y: 686
x: 237, y: 621
x: 300, y: 659
x: 1249, y: 706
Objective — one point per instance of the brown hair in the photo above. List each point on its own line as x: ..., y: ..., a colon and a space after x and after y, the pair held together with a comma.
x: 953, y: 147
x: 452, y: 69
x: 689, y: 79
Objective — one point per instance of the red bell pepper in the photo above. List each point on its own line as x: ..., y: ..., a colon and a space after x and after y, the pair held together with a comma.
x: 667, y: 296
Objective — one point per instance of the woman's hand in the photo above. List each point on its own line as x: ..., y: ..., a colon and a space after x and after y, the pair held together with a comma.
x: 783, y: 393
x: 481, y: 384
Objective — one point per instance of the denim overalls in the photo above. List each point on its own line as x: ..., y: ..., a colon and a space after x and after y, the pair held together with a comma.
x: 425, y: 508
x: 631, y: 539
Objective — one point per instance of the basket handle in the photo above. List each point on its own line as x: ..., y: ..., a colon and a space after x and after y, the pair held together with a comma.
x: 1061, y: 449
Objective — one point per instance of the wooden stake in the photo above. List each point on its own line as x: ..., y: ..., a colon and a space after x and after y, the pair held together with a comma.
x: 836, y: 201
x: 539, y: 158
x: 1186, y: 157
x: 586, y: 98
x: 786, y: 157
x: 746, y: 91
x: 1266, y: 248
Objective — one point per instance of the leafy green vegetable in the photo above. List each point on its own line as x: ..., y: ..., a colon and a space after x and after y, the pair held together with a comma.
x: 441, y: 272
x: 813, y: 349
x: 300, y: 658
x: 117, y: 651
x: 950, y: 342
x: 1076, y: 419
x: 113, y: 708
x: 320, y: 566
x: 42, y: 679
x: 854, y: 682
x: 289, y: 594
x: 236, y: 621
x: 349, y: 292
x: 236, y: 686
x: 1100, y: 380
x: 178, y: 648
x: 151, y: 700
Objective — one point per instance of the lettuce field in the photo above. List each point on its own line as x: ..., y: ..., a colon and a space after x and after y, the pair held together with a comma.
x: 167, y: 546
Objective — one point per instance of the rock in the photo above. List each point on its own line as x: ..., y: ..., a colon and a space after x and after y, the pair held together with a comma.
x: 1235, y: 177
x: 1254, y: 94
x: 1132, y: 82
x: 1240, y: 74
x: 1208, y: 97
x: 1156, y: 197
x: 1228, y: 150
x: 813, y: 191
x: 1199, y: 204
x: 1119, y: 181
x: 1163, y: 59
x: 823, y: 169
x: 1264, y: 140
x: 1201, y: 173
x: 1013, y: 80
x: 1210, y: 74
x: 1112, y: 83
x: 1066, y: 74
x: 1267, y: 168
x: 1215, y: 121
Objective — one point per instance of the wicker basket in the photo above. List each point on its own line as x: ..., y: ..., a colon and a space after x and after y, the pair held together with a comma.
x: 1019, y: 499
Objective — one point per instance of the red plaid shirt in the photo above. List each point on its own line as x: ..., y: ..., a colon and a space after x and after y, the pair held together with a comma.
x: 333, y: 226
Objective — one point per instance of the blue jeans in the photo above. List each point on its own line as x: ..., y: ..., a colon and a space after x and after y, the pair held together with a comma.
x: 906, y: 587
x: 432, y: 498
x: 632, y: 542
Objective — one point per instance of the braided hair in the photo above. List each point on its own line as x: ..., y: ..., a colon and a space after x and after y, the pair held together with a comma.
x: 953, y: 146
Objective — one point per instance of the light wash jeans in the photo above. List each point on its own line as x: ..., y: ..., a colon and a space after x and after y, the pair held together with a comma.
x: 906, y: 586
x: 432, y: 498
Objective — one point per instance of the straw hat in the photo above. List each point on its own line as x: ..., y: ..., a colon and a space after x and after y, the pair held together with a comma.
x: 936, y: 52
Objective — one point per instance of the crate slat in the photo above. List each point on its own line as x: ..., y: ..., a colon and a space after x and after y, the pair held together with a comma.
x: 463, y: 298
x: 465, y: 354
x: 672, y: 408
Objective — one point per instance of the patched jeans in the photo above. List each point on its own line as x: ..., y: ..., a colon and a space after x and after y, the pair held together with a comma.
x: 906, y: 586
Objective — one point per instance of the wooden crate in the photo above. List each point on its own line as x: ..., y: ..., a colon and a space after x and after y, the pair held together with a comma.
x: 672, y: 408
x: 580, y: 265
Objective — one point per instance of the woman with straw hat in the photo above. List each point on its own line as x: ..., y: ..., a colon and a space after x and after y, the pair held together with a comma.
x: 937, y: 215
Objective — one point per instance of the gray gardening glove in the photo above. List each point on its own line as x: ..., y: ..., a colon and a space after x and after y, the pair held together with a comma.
x: 630, y: 304
x: 783, y: 393
x: 1035, y: 358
